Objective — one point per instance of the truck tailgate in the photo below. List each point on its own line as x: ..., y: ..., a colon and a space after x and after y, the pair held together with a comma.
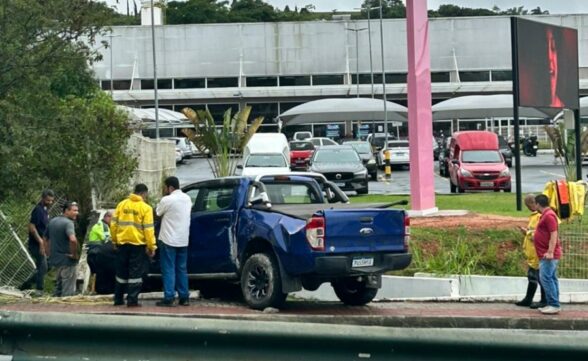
x: 364, y: 230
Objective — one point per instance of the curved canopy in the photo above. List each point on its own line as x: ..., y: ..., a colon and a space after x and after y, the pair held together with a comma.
x: 148, y: 115
x: 584, y: 106
x: 481, y: 106
x: 342, y: 109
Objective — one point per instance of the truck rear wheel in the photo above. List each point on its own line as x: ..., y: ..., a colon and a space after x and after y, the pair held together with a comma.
x: 261, y: 284
x: 353, y: 292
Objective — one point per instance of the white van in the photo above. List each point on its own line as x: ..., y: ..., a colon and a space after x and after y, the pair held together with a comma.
x: 266, y: 153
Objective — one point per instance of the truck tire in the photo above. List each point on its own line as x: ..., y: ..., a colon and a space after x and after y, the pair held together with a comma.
x: 261, y: 284
x: 352, y: 292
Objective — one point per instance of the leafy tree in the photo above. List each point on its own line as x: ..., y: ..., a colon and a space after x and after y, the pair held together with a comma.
x: 252, y: 11
x: 391, y: 9
x: 223, y: 143
x: 197, y: 12
x: 57, y: 128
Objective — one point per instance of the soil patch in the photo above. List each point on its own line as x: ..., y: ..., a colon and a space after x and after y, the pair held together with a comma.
x: 470, y: 221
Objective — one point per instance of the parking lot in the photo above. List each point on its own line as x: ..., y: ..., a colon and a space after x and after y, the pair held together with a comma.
x: 535, y: 171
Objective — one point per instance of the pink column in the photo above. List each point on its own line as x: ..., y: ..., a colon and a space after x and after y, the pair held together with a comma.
x: 420, y: 119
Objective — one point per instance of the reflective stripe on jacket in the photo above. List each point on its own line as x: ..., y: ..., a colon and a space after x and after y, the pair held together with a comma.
x: 132, y: 223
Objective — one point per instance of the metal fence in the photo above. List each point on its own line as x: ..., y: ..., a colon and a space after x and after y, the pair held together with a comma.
x: 574, y: 238
x: 16, y: 265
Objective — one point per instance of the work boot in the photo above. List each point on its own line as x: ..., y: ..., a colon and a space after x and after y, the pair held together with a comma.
x: 541, y: 303
x: 165, y: 303
x: 528, y: 300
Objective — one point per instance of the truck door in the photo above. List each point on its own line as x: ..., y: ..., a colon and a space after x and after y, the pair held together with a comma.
x: 212, y: 237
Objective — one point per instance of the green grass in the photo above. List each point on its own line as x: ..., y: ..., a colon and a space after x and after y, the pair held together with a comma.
x: 490, y: 203
x: 465, y: 252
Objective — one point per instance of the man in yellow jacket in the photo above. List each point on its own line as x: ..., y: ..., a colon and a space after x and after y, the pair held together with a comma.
x: 132, y: 231
x: 531, y: 256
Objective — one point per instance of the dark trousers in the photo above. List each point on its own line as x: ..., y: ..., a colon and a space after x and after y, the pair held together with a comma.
x: 130, y: 266
x: 41, y: 263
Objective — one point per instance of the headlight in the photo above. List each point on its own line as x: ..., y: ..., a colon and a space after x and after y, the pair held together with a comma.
x: 505, y: 173
x: 361, y: 173
x: 372, y: 161
x: 465, y: 173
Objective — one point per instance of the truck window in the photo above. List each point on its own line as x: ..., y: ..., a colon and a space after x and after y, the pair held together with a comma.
x: 290, y: 193
x: 214, y: 199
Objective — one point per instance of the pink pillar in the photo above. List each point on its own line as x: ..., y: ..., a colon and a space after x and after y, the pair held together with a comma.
x: 420, y: 118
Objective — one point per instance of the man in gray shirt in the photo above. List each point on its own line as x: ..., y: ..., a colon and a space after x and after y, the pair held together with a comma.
x: 62, y: 245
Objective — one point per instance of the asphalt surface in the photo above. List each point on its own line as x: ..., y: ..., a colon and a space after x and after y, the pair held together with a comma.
x: 388, y: 314
x: 535, y: 172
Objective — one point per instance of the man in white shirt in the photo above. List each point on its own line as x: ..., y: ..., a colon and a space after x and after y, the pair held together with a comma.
x: 174, y: 208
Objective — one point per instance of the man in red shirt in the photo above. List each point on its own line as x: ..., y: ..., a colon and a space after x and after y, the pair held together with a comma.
x: 548, y: 247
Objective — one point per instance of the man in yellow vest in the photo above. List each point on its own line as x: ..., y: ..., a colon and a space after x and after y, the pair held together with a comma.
x: 531, y: 256
x: 100, y: 232
x: 133, y: 233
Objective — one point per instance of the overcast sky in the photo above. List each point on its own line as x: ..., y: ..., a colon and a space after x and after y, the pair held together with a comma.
x: 554, y: 6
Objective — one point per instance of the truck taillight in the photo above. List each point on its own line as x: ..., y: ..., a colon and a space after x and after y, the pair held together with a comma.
x: 315, y: 233
x: 406, y: 232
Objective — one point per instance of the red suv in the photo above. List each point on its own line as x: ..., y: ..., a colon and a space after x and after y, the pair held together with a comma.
x: 475, y: 163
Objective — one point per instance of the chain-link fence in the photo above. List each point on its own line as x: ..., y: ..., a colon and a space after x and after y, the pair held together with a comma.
x: 574, y: 238
x: 16, y: 265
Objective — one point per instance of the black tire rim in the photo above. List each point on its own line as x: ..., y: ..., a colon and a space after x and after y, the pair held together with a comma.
x: 258, y: 282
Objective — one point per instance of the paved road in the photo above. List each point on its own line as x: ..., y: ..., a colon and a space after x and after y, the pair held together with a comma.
x: 536, y: 171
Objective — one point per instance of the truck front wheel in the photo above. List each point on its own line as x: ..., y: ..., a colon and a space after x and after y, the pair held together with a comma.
x: 261, y: 284
x: 353, y: 292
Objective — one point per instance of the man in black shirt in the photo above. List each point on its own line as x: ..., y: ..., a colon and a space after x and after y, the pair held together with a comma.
x: 37, y: 227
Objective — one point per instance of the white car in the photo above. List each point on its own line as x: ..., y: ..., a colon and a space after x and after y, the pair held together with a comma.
x: 179, y: 155
x: 321, y: 141
x: 399, y: 154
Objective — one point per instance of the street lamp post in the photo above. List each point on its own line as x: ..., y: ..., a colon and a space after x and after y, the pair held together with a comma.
x: 112, y: 64
x: 154, y: 71
x: 383, y: 74
x: 356, y: 31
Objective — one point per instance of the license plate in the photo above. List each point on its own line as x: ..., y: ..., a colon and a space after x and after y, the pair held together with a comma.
x: 400, y: 153
x: 340, y: 184
x: 486, y: 184
x: 362, y: 262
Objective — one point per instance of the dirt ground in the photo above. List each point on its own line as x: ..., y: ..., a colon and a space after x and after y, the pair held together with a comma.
x: 470, y: 221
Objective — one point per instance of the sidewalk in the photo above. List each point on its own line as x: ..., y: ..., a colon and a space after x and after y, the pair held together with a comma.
x: 389, y: 314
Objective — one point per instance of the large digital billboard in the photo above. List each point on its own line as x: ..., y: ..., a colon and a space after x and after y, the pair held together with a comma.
x: 547, y: 65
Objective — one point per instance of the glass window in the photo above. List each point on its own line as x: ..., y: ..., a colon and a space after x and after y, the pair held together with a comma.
x: 391, y: 78
x: 267, y: 110
x: 361, y: 147
x: 218, y: 111
x: 119, y: 84
x: 481, y: 156
x: 213, y: 199
x: 253, y: 81
x: 397, y: 144
x: 336, y: 156
x: 334, y: 79
x: 301, y: 146
x: 189, y: 83
x: 266, y: 160
x: 440, y: 77
x: 290, y: 193
x: 161, y: 84
x: 501, y: 75
x: 294, y: 80
x: 223, y: 82
x: 474, y: 75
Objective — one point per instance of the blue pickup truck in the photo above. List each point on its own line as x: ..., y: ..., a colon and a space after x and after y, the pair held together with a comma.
x: 278, y: 235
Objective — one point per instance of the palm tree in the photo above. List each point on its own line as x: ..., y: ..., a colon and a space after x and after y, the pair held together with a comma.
x: 224, y: 143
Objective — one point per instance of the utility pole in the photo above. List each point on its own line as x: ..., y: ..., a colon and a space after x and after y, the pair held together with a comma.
x: 154, y: 71
x: 356, y: 31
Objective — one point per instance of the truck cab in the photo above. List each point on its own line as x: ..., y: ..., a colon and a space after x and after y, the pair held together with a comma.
x: 475, y: 163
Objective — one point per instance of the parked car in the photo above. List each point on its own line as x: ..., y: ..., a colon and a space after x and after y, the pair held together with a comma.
x: 184, y: 144
x: 302, y: 135
x: 399, y: 153
x: 300, y: 153
x: 270, y: 250
x: 342, y: 165
x: 179, y: 155
x: 505, y: 150
x: 475, y: 163
x: 266, y: 153
x: 364, y: 149
x: 197, y: 152
x: 320, y: 141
